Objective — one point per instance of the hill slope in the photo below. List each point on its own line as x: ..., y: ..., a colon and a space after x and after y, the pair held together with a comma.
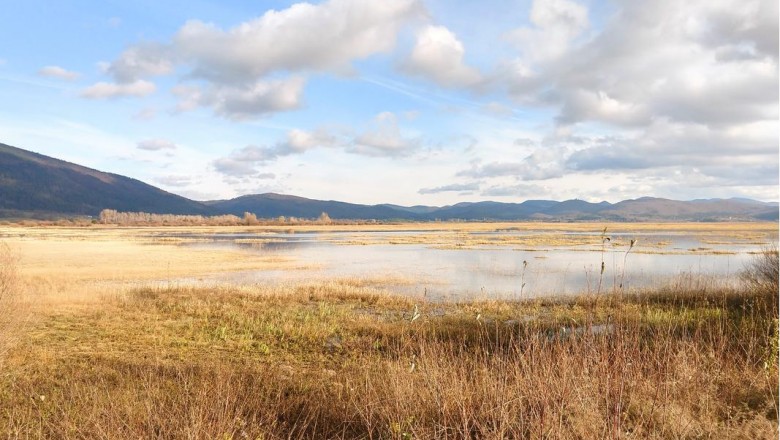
x: 273, y: 205
x: 37, y: 185
x: 643, y: 209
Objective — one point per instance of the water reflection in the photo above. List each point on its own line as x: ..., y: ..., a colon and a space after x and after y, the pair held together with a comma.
x: 487, y: 271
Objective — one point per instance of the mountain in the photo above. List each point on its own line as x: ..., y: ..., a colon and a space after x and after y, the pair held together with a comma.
x: 274, y: 205
x: 35, y: 185
x: 642, y: 209
x: 649, y: 208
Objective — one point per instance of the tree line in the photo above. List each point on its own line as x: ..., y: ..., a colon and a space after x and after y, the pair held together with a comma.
x: 114, y: 217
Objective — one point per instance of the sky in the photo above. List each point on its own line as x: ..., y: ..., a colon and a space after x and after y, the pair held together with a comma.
x: 409, y: 102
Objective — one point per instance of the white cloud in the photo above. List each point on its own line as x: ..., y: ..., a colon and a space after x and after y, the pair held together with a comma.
x: 237, y: 64
x: 667, y: 144
x: 323, y: 37
x: 156, y: 145
x: 143, y: 60
x: 455, y: 187
x: 104, y: 90
x: 556, y: 24
x: 59, y: 72
x: 666, y: 83
x: 243, y: 102
x: 245, y: 161
x: 542, y: 164
x: 711, y: 65
x: 438, y: 56
x: 299, y: 141
x: 384, y: 138
x: 241, y: 163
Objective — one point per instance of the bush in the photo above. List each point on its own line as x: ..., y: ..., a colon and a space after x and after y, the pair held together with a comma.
x: 762, y: 273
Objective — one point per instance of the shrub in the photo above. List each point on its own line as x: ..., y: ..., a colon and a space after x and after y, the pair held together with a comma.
x: 762, y: 272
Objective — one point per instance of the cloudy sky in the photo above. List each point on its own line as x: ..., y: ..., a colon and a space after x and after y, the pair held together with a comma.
x: 402, y: 101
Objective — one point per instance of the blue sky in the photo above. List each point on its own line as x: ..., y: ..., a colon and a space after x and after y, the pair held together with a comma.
x: 405, y: 101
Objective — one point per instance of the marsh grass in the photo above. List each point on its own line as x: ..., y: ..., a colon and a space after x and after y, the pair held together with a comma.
x: 11, y: 310
x: 346, y: 360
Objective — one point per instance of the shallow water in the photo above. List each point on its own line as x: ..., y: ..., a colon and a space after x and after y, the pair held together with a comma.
x: 485, y: 271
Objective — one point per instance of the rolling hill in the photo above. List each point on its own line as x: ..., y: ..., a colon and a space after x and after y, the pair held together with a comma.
x: 274, y: 205
x: 34, y: 185
x: 38, y: 186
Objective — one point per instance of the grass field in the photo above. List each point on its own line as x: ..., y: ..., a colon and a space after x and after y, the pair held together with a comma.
x: 93, y: 350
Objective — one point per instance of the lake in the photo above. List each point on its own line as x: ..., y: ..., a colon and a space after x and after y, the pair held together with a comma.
x: 500, y: 263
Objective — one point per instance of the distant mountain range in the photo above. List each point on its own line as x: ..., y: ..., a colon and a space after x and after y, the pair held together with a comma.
x: 37, y: 186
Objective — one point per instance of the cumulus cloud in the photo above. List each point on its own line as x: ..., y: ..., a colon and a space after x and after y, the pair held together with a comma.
x: 704, y: 94
x: 241, y: 163
x: 455, y: 187
x: 104, y: 90
x: 59, y: 72
x: 299, y: 141
x: 716, y: 63
x: 438, y: 55
x: 246, y: 101
x: 556, y: 23
x: 244, y: 162
x: 384, y: 138
x: 240, y: 72
x: 668, y: 144
x: 345, y: 30
x: 141, y: 61
x: 542, y: 164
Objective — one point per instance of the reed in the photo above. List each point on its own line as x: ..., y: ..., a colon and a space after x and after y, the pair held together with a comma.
x: 339, y: 360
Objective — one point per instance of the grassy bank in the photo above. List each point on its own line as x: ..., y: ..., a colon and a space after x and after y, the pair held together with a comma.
x: 345, y: 360
x: 89, y: 350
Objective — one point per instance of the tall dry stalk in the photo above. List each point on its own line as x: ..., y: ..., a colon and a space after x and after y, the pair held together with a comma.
x: 522, y: 278
x: 625, y: 258
x: 604, y: 240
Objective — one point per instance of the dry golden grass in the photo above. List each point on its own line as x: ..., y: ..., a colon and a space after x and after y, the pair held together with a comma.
x: 12, y: 313
x: 553, y: 235
x: 107, y: 357
x: 79, y: 265
x: 337, y: 361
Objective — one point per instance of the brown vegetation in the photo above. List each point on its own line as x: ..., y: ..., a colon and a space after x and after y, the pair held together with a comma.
x: 9, y: 299
x: 764, y: 271
x: 337, y: 360
x: 345, y: 359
